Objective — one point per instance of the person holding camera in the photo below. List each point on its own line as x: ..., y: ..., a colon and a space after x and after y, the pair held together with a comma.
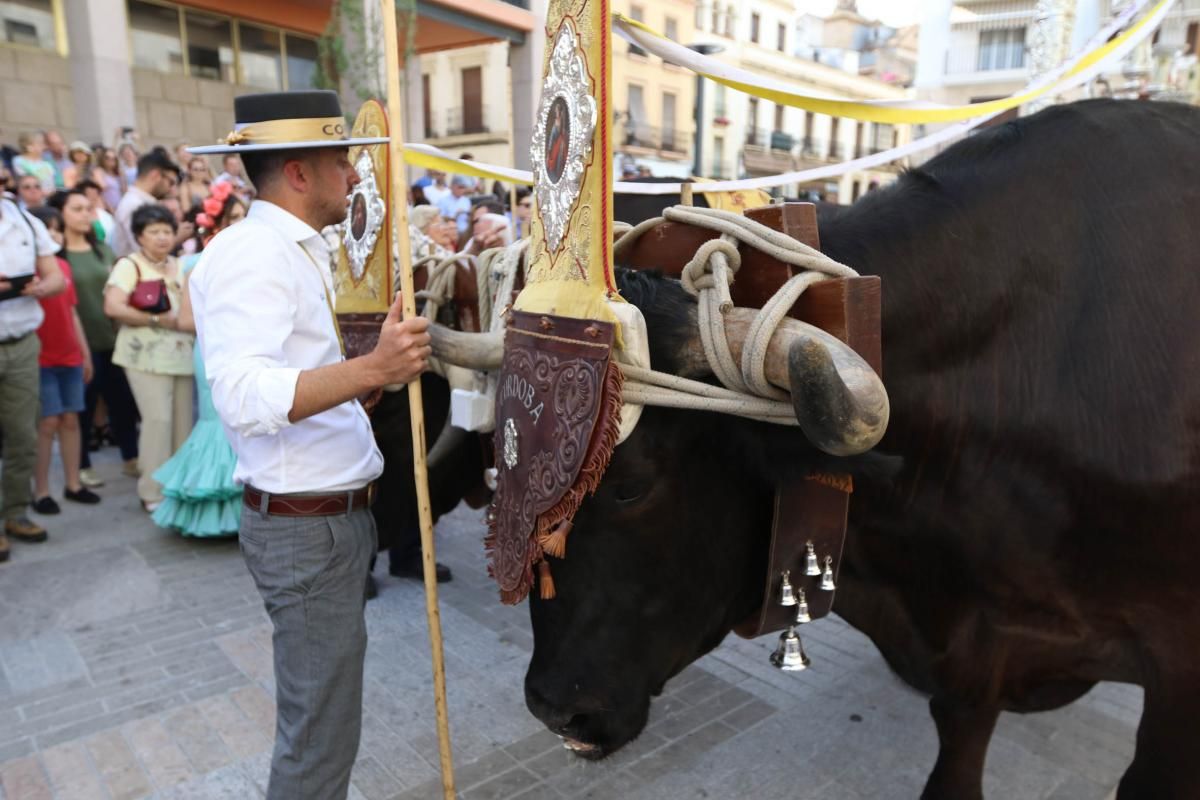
x: 28, y: 272
x: 143, y: 294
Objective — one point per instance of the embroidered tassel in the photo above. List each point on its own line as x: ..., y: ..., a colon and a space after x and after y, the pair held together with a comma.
x: 545, y: 581
x: 555, y: 542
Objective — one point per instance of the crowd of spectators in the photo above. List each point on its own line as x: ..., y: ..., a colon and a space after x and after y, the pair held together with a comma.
x: 87, y: 233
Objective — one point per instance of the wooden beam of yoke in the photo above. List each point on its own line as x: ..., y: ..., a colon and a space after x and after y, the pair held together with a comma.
x: 849, y: 308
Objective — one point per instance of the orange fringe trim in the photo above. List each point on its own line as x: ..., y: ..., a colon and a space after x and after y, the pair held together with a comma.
x: 843, y: 483
x: 555, y: 542
x: 545, y: 580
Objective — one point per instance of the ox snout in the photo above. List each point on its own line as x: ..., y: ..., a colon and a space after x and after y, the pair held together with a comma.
x: 589, y: 728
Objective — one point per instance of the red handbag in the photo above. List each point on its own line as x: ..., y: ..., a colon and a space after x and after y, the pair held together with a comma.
x: 149, y: 296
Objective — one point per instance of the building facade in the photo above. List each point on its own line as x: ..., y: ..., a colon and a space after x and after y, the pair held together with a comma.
x: 653, y: 125
x: 170, y: 70
x: 746, y: 136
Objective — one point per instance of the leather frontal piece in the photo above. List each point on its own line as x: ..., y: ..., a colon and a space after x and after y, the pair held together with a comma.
x: 558, y: 410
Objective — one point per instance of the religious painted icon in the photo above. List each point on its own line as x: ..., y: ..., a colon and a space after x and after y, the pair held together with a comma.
x: 358, y: 216
x: 363, y: 224
x: 558, y: 138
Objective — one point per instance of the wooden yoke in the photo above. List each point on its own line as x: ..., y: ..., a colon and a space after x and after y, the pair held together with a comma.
x: 849, y: 308
x: 814, y: 508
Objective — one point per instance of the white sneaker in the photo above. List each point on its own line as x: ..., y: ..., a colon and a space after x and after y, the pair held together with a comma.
x: 89, y: 478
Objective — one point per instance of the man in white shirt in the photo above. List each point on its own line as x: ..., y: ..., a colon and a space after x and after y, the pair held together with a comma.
x: 457, y: 204
x: 26, y: 249
x: 263, y: 301
x: 157, y: 177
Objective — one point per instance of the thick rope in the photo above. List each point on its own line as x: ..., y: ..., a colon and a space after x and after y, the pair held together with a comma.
x: 708, y: 276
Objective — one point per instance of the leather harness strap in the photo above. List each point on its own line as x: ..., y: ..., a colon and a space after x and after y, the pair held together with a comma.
x: 308, y: 505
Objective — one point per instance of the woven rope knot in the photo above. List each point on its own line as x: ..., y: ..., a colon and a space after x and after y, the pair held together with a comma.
x: 713, y: 269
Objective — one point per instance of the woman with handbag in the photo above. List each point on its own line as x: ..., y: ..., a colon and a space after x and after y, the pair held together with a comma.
x: 200, y: 497
x: 143, y: 294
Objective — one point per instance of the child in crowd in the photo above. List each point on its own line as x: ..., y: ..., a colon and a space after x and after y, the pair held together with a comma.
x: 66, y: 365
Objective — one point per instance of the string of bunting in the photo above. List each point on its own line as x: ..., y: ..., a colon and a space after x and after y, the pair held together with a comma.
x: 903, y: 112
x: 1101, y: 51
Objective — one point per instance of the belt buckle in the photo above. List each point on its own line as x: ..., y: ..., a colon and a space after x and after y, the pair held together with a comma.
x: 370, y: 487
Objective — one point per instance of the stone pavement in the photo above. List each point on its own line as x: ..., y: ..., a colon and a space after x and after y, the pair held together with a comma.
x: 134, y: 664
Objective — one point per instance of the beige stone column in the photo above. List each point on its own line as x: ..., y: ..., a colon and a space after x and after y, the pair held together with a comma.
x: 97, y: 33
x: 525, y: 62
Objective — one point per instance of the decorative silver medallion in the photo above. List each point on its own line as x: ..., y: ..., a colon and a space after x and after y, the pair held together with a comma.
x: 367, y: 210
x: 562, y: 137
x: 510, y: 443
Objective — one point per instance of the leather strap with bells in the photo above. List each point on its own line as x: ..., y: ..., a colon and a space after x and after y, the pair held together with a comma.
x: 811, y: 510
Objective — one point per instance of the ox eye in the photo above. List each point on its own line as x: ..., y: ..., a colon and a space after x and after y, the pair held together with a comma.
x: 627, y: 492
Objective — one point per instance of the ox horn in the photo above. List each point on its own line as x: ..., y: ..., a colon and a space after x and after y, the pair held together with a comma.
x: 840, y: 402
x: 447, y: 441
x: 479, y: 351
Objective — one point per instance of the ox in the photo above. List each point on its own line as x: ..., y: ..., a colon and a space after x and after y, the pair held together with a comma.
x: 1029, y: 524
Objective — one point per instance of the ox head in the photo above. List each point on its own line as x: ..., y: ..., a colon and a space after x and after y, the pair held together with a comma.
x: 670, y: 552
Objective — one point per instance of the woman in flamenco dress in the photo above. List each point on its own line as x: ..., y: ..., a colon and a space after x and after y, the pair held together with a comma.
x: 199, y: 495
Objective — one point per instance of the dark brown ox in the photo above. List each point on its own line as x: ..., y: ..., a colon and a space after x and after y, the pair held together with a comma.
x: 1030, y: 523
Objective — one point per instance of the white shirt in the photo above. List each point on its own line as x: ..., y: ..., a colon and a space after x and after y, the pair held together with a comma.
x: 22, y: 241
x: 123, y: 242
x: 261, y: 318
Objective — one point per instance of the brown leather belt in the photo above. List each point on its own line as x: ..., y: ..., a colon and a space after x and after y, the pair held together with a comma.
x: 308, y: 505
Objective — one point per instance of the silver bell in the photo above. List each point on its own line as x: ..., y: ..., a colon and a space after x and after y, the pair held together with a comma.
x: 827, y: 575
x: 789, y: 656
x: 810, y: 566
x: 787, y: 596
x: 802, y: 615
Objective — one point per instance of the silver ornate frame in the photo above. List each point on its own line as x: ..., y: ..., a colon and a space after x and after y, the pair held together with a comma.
x: 567, y: 78
x: 359, y: 250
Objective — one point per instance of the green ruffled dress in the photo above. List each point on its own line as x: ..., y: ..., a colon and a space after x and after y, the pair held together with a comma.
x: 199, y: 495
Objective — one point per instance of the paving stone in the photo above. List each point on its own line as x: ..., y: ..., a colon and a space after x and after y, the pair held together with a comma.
x: 483, y: 769
x: 543, y: 741
x: 747, y: 716
x: 375, y: 782
x: 101, y: 722
x: 502, y: 786
x: 541, y: 791
x: 198, y: 740
x: 228, y: 783
x: 122, y: 774
x: 617, y: 786
x: 162, y: 759
x: 258, y: 706
x: 236, y: 730
x: 23, y: 779
x: 72, y: 774
x: 16, y: 749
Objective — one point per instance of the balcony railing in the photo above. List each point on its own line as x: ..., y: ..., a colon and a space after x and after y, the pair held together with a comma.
x: 771, y: 139
x: 460, y: 123
x: 667, y: 141
x: 813, y: 148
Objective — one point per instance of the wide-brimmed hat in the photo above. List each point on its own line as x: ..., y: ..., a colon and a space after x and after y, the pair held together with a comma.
x: 286, y: 121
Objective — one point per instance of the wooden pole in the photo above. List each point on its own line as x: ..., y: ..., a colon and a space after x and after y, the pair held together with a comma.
x: 399, y: 218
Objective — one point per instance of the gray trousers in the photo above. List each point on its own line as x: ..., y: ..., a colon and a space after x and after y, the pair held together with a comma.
x: 312, y: 573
